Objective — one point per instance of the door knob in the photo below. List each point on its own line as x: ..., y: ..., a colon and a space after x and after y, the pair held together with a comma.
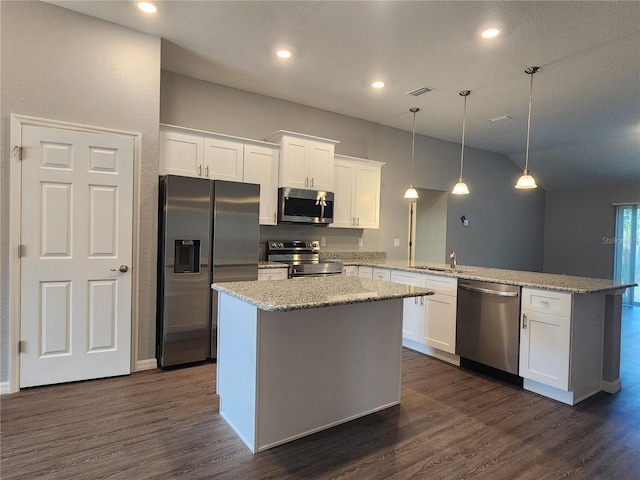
x: 122, y: 268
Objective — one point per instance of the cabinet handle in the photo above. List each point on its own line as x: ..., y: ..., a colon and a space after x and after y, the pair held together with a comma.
x: 199, y: 170
x: 311, y: 182
x: 524, y: 321
x: 358, y: 222
x: 274, y: 217
x: 353, y: 221
x: 206, y: 171
x: 306, y: 182
x: 415, y: 300
x: 422, y: 301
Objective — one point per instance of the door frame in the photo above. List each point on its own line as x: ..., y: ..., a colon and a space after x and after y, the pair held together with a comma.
x: 17, y: 121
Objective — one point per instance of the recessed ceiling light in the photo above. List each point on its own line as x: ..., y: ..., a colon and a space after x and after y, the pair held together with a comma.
x: 491, y: 32
x: 284, y: 54
x: 148, y: 7
x: 377, y: 84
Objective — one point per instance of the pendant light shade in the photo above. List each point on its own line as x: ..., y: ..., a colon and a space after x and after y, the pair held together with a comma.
x: 526, y: 180
x: 461, y: 188
x: 411, y: 192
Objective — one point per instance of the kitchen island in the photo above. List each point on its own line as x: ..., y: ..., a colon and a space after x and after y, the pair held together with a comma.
x: 302, y: 355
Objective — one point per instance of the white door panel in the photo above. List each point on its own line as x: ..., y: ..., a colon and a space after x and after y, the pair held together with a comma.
x: 76, y: 221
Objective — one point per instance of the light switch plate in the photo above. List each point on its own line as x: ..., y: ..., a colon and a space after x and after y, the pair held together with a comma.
x: 360, y: 241
x: 396, y: 242
x: 323, y: 242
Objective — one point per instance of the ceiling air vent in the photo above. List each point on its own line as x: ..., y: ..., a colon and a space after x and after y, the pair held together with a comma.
x: 419, y: 91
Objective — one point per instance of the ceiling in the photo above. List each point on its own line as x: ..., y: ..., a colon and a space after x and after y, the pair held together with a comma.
x: 585, y: 127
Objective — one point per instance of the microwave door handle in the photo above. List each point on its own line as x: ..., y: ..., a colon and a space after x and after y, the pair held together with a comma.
x: 322, y: 204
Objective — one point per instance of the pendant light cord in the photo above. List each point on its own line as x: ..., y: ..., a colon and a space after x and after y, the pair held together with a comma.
x: 413, y: 142
x: 464, y: 121
x: 526, y: 158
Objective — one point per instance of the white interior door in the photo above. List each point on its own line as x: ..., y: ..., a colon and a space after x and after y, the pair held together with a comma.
x: 76, y: 221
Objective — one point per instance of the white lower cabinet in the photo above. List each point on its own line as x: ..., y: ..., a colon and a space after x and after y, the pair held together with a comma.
x: 365, y: 272
x: 429, y: 322
x: 383, y: 274
x: 561, y: 337
x: 273, y: 273
x: 350, y: 271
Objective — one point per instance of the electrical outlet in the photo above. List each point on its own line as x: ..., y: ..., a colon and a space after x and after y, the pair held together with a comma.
x: 323, y: 242
x: 396, y: 242
x: 360, y: 241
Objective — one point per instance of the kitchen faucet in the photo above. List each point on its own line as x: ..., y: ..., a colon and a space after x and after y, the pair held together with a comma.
x: 452, y: 258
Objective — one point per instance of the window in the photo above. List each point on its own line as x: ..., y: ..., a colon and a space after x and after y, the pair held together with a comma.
x: 626, y: 266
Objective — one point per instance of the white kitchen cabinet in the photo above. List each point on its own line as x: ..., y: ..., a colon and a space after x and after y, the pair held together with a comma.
x: 261, y: 167
x: 195, y: 153
x: 305, y: 161
x: 413, y: 313
x: 223, y: 159
x: 356, y: 186
x: 365, y: 272
x: 273, y: 273
x: 440, y: 322
x: 383, y: 274
x: 429, y: 322
x: 350, y: 271
x: 561, y: 337
x: 181, y: 153
x: 545, y: 343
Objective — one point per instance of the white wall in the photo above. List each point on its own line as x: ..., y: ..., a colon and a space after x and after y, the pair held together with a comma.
x: 498, y: 235
x: 61, y: 65
x: 575, y: 223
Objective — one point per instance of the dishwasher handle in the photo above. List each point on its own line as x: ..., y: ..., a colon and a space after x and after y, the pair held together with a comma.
x: 464, y: 286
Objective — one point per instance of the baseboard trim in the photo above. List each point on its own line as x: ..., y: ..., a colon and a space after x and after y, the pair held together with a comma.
x: 611, y: 387
x: 148, y: 364
x: 4, y: 388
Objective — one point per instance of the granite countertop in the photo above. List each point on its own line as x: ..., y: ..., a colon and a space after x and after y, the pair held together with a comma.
x: 316, y: 292
x: 547, y: 281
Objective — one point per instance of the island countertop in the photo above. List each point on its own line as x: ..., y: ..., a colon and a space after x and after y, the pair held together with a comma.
x: 547, y: 281
x: 316, y: 292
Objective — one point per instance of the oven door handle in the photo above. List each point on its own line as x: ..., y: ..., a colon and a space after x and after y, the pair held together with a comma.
x: 487, y: 291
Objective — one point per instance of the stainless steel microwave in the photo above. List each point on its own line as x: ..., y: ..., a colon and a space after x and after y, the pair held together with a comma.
x: 296, y: 205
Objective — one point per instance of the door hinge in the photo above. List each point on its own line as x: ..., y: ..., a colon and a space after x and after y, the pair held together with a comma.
x: 22, y: 346
x: 19, y: 151
x: 22, y: 251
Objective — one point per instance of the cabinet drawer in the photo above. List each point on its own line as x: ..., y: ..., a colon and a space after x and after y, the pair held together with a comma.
x: 365, y: 272
x: 407, y: 278
x: 382, y: 274
x: 443, y: 285
x: 546, y: 301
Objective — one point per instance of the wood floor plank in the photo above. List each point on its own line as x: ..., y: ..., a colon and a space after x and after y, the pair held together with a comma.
x: 451, y: 424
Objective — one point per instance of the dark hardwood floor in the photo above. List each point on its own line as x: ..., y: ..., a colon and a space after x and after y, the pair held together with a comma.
x: 452, y: 424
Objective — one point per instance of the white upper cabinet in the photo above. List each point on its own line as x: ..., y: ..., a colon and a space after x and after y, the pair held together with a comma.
x: 181, y: 154
x: 223, y: 159
x: 357, y: 192
x: 195, y: 153
x: 261, y: 166
x: 305, y: 161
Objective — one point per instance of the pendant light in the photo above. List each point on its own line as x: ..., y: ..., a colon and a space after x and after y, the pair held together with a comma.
x: 461, y: 188
x: 411, y: 192
x: 526, y: 180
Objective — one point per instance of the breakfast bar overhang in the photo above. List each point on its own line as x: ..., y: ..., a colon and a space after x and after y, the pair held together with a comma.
x: 297, y: 357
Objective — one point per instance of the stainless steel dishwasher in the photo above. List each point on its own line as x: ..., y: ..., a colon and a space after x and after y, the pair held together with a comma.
x: 487, y: 328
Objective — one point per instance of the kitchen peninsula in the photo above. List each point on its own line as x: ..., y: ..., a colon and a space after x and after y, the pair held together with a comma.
x: 299, y: 356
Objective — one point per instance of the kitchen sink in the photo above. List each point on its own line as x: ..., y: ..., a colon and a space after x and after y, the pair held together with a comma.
x: 437, y: 269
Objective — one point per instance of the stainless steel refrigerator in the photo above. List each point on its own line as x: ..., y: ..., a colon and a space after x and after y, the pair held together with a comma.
x: 208, y: 232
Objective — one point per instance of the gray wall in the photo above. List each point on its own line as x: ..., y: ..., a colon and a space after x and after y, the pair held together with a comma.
x: 506, y: 229
x: 61, y: 65
x: 575, y: 223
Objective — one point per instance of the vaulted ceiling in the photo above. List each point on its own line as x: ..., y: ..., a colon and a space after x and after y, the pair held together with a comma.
x: 585, y: 128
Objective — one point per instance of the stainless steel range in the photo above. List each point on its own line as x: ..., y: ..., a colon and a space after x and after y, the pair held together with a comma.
x: 303, y: 258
